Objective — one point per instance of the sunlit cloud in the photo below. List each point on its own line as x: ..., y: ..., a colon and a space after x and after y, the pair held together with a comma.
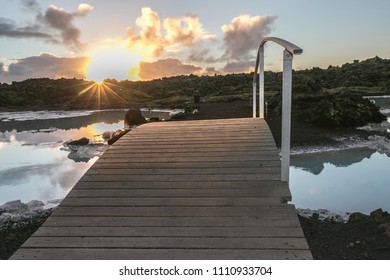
x: 155, y: 36
x: 154, y: 46
x: 45, y: 65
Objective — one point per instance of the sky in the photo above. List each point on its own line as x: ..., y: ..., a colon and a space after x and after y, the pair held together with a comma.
x: 144, y: 40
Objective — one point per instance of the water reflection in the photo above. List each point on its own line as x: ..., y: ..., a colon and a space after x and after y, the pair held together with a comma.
x: 339, y: 184
x: 34, y: 164
x: 315, y: 162
x: 40, y: 125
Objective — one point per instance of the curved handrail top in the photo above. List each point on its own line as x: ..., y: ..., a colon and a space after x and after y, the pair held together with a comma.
x: 294, y: 49
x: 290, y: 47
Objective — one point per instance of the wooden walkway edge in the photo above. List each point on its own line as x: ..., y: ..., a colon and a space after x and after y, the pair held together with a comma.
x: 178, y: 190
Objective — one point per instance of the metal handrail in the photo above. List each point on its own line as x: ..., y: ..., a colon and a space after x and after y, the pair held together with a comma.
x: 289, y: 50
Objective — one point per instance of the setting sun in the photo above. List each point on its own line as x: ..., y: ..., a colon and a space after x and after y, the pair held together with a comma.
x: 115, y: 62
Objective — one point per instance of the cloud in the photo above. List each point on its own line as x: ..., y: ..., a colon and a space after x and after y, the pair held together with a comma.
x: 9, y: 29
x: 149, y: 35
x: 31, y: 5
x: 62, y: 20
x: 242, y: 66
x: 202, y: 55
x: 168, y: 67
x: 184, y: 30
x: 243, y: 35
x: 55, y: 18
x: 83, y: 10
x: 155, y: 36
x: 44, y: 65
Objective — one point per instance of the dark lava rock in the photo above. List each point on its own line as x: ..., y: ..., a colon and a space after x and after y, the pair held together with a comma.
x: 362, y: 239
x: 379, y: 216
x: 81, y: 142
x: 134, y: 117
x: 357, y: 216
x: 331, y: 110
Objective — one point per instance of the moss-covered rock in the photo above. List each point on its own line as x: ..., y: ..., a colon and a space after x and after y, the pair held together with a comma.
x: 331, y: 110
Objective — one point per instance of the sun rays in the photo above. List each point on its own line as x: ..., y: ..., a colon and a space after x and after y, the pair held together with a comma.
x: 104, y: 93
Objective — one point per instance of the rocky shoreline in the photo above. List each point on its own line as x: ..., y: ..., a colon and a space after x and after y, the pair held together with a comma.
x: 18, y: 221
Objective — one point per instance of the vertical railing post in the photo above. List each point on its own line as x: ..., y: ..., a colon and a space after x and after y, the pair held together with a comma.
x: 286, y: 114
x: 254, y: 100
x: 261, y: 82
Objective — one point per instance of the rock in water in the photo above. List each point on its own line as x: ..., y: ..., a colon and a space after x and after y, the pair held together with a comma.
x: 80, y: 142
x: 134, y: 117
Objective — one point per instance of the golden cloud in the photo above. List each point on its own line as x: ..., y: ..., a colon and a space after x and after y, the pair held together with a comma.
x: 155, y: 36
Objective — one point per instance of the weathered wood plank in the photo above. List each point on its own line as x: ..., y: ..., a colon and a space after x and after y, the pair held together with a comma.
x: 171, y: 201
x: 160, y: 254
x: 179, y: 178
x: 221, y: 211
x: 158, y: 192
x: 151, y: 141
x: 167, y: 242
x: 178, y: 185
x: 191, y: 149
x: 187, y: 154
x: 255, y: 159
x: 193, y: 231
x: 276, y: 221
x: 194, y: 165
x: 181, y: 171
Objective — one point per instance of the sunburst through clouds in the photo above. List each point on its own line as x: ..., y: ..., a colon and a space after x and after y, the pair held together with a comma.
x: 105, y: 95
x: 115, y: 61
x: 110, y: 62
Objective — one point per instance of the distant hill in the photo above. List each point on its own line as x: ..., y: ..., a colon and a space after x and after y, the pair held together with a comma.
x: 368, y: 77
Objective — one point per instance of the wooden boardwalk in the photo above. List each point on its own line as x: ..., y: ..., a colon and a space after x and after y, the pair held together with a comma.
x: 178, y: 190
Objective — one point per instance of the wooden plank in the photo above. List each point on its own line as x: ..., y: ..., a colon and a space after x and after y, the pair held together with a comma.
x: 167, y: 242
x: 159, y: 254
x: 194, y: 231
x: 181, y: 171
x: 255, y: 159
x: 187, y: 154
x: 203, y: 137
x: 150, y: 192
x: 194, y: 165
x: 177, y: 185
x: 195, y: 142
x: 190, y: 149
x: 171, y: 201
x: 192, y: 144
x: 221, y: 211
x: 179, y: 178
x: 276, y: 221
